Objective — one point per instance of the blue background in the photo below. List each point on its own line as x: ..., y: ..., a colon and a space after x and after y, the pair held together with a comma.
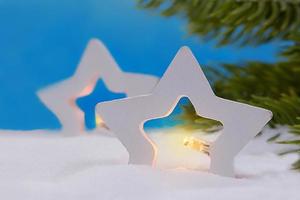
x: 41, y: 42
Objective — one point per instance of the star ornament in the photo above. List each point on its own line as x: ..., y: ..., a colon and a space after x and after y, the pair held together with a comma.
x: 96, y: 63
x: 184, y: 78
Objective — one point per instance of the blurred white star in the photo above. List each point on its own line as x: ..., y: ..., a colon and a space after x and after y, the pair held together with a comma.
x: 96, y: 63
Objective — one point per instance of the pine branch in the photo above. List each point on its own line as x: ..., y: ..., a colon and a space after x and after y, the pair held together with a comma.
x: 258, y: 21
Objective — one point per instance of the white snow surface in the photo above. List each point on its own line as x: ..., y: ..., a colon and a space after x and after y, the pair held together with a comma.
x: 43, y: 165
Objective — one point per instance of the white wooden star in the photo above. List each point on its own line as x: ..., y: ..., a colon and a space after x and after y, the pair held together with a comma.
x: 184, y: 78
x: 96, y: 63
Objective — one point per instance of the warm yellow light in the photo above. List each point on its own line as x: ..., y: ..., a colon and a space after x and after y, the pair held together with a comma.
x: 88, y: 89
x: 196, y: 144
x: 99, y: 121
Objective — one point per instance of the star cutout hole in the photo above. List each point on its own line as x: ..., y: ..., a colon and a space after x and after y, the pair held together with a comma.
x: 183, y: 137
x: 88, y: 103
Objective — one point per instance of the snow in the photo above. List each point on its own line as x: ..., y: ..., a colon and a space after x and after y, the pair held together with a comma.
x: 45, y: 165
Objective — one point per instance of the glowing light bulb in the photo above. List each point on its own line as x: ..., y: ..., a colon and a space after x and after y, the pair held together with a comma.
x: 196, y: 144
x: 98, y: 120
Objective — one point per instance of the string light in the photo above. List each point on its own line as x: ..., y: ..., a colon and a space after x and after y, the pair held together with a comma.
x: 196, y: 144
